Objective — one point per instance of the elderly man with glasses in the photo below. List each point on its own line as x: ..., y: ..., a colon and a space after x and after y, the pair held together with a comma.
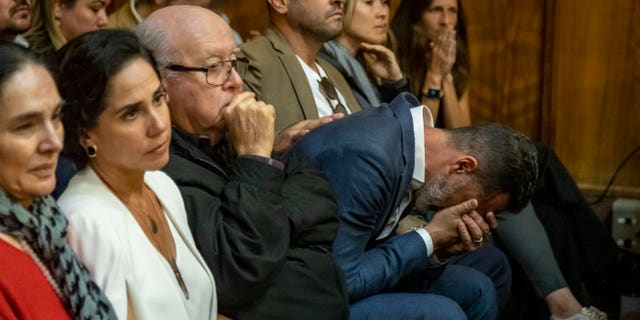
x: 264, y: 228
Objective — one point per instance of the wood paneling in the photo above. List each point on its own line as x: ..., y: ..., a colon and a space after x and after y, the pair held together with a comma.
x: 247, y: 15
x: 506, y: 46
x: 595, y: 89
x: 564, y: 72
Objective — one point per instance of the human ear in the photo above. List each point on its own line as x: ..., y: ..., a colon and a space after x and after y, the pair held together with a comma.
x: 466, y: 164
x: 85, y: 139
x: 57, y: 9
x: 279, y: 6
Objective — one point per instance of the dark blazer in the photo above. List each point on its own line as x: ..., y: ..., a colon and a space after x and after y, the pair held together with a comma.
x: 277, y: 78
x: 368, y: 158
x: 265, y: 233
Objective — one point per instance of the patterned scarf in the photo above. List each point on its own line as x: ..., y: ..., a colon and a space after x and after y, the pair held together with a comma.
x: 44, y: 228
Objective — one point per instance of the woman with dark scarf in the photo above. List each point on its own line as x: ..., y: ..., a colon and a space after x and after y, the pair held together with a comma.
x: 40, y: 276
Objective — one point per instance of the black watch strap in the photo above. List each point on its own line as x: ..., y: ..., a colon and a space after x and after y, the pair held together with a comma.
x: 431, y: 94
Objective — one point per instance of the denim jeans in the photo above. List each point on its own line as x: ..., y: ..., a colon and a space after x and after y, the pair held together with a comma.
x: 466, y: 288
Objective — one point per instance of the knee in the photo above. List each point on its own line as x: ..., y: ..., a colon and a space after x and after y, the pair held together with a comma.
x: 497, y: 263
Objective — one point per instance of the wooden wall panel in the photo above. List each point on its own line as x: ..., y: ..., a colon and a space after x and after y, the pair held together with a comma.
x: 247, y: 15
x: 595, y: 89
x: 506, y: 47
x: 564, y: 72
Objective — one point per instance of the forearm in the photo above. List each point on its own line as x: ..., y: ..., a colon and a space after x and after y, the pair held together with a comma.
x: 431, y: 81
x: 456, y: 114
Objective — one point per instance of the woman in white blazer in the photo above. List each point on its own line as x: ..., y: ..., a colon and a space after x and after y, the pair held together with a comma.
x: 127, y: 220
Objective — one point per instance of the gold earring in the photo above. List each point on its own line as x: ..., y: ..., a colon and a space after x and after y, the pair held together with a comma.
x: 91, y: 150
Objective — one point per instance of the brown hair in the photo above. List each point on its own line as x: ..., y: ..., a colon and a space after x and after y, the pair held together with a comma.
x: 412, y: 43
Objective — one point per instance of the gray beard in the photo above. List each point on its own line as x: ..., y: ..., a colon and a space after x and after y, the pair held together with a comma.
x: 436, y: 192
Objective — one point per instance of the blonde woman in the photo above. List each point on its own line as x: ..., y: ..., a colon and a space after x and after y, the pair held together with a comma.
x: 360, y: 54
x: 55, y: 22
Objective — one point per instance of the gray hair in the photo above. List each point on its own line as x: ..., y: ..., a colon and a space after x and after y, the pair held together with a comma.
x: 156, y: 40
x: 507, y: 160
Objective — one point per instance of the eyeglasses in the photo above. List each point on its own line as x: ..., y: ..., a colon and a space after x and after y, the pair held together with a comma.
x: 329, y: 91
x: 217, y: 73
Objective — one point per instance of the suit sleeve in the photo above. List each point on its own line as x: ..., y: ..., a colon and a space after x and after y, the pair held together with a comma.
x: 366, y: 186
x: 239, y: 225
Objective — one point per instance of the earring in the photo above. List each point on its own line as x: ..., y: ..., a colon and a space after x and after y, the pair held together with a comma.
x: 91, y: 151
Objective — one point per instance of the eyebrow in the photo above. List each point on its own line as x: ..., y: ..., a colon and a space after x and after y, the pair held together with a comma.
x: 217, y: 55
x: 137, y: 104
x: 36, y: 114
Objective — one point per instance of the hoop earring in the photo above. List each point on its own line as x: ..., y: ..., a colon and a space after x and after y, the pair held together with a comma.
x: 91, y: 150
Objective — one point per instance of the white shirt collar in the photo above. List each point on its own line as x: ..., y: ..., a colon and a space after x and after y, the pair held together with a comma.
x: 322, y: 104
x: 419, y: 121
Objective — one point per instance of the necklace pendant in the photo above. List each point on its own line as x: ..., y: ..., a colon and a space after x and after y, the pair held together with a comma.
x: 154, y: 226
x: 178, y: 275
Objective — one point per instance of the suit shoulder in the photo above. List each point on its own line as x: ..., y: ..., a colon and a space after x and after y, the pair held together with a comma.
x: 257, y: 48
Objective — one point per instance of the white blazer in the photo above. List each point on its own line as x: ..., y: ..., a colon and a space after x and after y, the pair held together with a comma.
x: 123, y: 261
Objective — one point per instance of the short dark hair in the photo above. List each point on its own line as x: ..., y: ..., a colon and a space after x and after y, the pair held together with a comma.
x: 85, y: 66
x: 507, y: 160
x: 14, y: 58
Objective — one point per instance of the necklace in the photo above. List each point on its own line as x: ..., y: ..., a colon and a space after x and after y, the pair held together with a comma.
x: 156, y: 228
x: 150, y: 217
x: 45, y: 271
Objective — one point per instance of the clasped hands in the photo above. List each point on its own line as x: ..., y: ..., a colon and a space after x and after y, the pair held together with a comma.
x: 460, y: 228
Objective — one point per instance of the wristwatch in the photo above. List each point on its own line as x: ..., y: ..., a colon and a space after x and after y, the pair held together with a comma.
x: 432, y: 93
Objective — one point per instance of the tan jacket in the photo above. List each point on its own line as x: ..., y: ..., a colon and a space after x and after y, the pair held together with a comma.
x: 277, y: 78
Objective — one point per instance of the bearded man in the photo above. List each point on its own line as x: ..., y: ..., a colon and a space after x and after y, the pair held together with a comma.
x: 381, y: 163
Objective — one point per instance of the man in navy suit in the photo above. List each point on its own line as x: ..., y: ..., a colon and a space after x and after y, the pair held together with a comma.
x: 383, y: 160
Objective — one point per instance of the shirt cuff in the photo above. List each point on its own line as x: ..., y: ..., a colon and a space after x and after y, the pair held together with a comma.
x: 428, y: 243
x: 268, y: 161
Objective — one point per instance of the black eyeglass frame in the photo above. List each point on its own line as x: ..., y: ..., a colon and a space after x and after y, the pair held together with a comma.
x: 234, y: 64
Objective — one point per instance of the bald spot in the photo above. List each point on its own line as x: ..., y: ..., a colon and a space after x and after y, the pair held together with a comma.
x: 184, y: 25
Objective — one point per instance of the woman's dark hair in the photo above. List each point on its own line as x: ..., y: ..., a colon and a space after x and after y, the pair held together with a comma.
x: 12, y: 59
x: 85, y: 66
x: 413, y: 43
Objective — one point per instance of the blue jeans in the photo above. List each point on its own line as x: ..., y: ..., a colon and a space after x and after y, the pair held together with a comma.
x: 458, y: 292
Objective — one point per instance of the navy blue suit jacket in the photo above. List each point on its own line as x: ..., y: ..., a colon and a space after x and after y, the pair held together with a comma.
x: 368, y: 158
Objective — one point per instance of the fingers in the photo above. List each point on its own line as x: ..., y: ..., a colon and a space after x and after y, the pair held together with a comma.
x: 490, y: 217
x: 475, y: 229
x: 287, y: 137
x: 377, y: 49
x: 462, y: 208
x: 479, y: 222
x: 250, y: 124
x: 381, y: 61
x: 467, y: 240
x: 242, y: 97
